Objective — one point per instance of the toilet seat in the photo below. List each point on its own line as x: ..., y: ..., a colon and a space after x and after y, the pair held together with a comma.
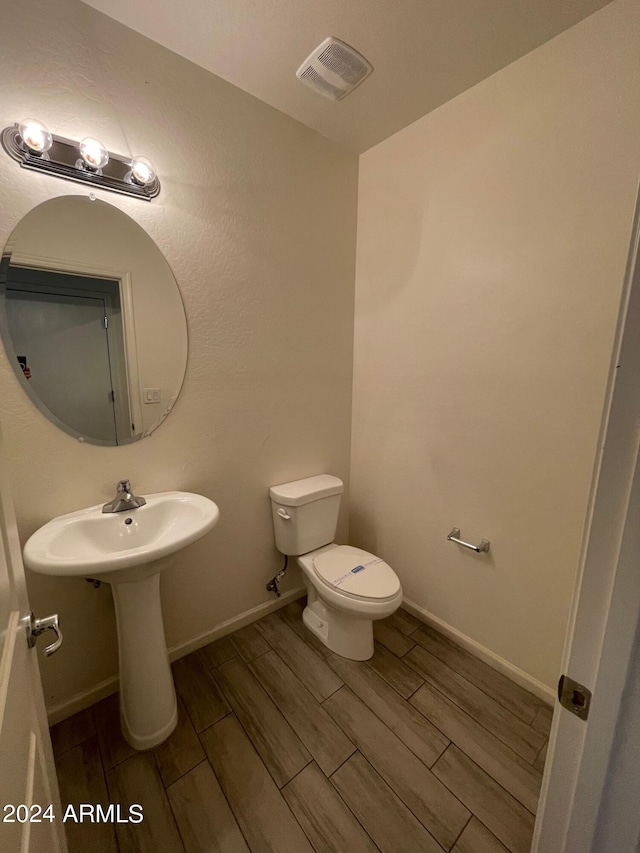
x: 356, y: 573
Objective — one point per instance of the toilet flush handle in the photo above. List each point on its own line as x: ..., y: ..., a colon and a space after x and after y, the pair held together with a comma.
x: 283, y: 513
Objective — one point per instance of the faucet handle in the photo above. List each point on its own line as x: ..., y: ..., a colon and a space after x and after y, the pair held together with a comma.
x: 124, y: 486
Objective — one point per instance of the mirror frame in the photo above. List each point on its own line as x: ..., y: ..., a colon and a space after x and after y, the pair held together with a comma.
x: 126, y: 287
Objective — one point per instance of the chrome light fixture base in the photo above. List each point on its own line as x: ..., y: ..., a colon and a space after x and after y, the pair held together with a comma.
x: 64, y: 161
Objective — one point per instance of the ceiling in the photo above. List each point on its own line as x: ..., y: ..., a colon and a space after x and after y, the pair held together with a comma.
x: 424, y: 52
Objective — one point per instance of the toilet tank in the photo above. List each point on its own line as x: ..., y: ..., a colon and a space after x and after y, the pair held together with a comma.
x: 305, y: 513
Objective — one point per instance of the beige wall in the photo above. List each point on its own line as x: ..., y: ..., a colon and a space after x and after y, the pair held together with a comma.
x: 492, y: 240
x: 257, y: 219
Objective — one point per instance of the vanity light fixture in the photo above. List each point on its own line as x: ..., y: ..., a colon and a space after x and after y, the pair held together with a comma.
x: 94, y: 154
x: 87, y: 162
x: 142, y: 171
x: 35, y: 136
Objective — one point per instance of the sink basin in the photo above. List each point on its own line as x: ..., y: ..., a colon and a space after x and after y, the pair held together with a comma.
x: 125, y: 549
x: 91, y: 543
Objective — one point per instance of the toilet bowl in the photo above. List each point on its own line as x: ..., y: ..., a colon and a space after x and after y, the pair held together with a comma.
x: 347, y: 588
x: 341, y: 612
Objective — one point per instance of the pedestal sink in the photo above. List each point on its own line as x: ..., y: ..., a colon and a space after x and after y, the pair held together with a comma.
x: 125, y: 549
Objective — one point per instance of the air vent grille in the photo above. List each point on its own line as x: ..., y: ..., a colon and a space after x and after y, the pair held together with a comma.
x: 334, y: 69
x: 344, y: 63
x: 311, y: 76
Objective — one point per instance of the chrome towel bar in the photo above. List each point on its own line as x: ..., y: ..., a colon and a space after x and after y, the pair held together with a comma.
x: 454, y: 536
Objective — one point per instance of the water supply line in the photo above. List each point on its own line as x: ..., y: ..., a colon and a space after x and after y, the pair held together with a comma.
x: 272, y: 586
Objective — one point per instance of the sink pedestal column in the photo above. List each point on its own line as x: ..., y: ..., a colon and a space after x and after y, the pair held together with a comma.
x: 148, y: 708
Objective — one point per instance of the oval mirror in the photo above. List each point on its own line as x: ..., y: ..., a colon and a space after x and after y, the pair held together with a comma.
x: 92, y: 320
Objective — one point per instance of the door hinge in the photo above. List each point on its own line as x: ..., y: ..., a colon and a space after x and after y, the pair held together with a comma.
x: 106, y: 322
x: 574, y: 697
x: 113, y: 396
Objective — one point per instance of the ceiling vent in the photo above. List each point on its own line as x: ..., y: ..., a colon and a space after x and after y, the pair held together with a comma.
x: 334, y: 69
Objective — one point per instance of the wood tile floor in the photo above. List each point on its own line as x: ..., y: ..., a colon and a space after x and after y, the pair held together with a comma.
x: 283, y: 747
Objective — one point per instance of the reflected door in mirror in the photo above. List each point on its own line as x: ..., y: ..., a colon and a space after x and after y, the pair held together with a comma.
x: 65, y: 332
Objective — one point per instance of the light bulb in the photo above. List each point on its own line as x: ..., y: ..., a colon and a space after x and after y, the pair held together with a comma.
x: 35, y: 135
x: 94, y: 154
x: 142, y: 171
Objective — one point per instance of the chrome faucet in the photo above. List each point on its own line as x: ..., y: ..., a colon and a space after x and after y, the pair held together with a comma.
x: 124, y: 499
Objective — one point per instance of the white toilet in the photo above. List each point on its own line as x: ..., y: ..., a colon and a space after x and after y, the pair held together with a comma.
x: 347, y: 588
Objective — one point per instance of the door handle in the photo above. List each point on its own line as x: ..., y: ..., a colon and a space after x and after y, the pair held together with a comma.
x: 35, y: 627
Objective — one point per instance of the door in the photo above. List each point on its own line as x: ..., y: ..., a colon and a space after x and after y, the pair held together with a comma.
x: 63, y: 341
x: 27, y: 772
x: 66, y: 333
x: 583, y: 761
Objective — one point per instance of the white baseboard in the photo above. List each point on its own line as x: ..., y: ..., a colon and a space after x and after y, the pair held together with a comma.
x: 542, y: 691
x: 80, y: 701
x: 83, y: 700
x: 231, y: 625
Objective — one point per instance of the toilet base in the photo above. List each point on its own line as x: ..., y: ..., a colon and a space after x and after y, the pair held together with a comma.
x: 346, y: 635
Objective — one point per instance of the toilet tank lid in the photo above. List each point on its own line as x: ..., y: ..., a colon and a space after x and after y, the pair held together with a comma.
x: 300, y: 492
